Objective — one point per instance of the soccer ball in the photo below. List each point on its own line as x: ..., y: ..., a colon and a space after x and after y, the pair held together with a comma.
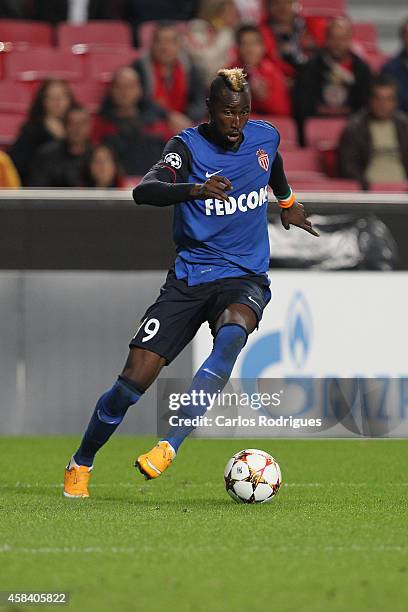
x: 252, y: 477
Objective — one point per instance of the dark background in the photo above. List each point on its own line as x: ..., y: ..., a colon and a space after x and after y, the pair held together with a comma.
x: 118, y: 235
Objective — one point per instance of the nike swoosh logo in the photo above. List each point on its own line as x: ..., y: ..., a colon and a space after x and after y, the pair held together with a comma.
x: 252, y: 300
x: 208, y: 174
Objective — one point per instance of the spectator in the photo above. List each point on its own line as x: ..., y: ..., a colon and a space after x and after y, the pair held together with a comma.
x: 288, y: 38
x: 77, y: 11
x: 335, y: 81
x: 45, y: 123
x: 126, y: 108
x: 211, y: 38
x: 171, y: 80
x: 374, y: 145
x: 9, y: 178
x: 124, y: 120
x: 398, y: 68
x: 268, y: 88
x: 103, y: 169
x: 62, y: 163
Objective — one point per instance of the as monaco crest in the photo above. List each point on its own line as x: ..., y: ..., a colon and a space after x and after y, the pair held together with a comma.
x: 263, y: 159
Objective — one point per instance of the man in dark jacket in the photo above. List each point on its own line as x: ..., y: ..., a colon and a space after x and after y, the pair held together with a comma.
x: 62, y: 163
x: 335, y: 82
x: 374, y: 145
x: 397, y: 67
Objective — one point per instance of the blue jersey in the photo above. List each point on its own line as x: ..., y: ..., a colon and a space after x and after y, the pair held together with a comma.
x: 217, y: 239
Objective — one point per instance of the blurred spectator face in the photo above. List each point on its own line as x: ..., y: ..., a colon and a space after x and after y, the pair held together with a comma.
x: 166, y: 45
x: 220, y: 13
x: 228, y: 15
x: 383, y: 102
x: 338, y: 38
x: 103, y: 167
x: 250, y: 48
x: 126, y: 90
x: 78, y: 126
x: 282, y: 11
x: 56, y: 100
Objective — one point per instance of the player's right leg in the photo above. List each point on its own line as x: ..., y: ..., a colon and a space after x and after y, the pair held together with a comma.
x: 167, y: 327
x: 141, y: 369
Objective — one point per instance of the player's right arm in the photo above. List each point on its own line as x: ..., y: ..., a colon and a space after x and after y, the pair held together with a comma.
x: 166, y: 183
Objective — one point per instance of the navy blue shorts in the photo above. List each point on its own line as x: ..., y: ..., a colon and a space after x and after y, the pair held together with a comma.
x: 173, y: 320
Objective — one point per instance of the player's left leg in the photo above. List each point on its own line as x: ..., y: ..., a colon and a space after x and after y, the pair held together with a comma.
x: 231, y: 331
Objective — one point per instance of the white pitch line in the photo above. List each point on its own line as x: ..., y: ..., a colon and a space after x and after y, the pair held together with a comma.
x: 135, y: 485
x: 8, y: 549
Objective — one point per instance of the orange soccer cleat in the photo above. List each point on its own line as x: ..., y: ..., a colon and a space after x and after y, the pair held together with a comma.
x: 157, y: 460
x: 76, y: 479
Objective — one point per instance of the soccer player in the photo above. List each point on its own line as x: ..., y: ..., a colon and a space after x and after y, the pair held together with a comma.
x: 217, y: 176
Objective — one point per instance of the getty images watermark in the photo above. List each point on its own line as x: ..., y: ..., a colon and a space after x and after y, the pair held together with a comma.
x: 305, y: 407
x: 197, y: 401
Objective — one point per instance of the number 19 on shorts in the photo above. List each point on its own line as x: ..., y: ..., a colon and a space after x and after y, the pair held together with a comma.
x: 150, y: 328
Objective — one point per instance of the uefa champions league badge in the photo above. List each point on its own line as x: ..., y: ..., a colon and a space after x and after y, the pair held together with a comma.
x: 263, y: 159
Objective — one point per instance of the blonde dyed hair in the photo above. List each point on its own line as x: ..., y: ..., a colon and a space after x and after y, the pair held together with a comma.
x: 234, y: 77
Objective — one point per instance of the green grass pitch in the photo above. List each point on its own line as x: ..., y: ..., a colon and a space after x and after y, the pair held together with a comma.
x: 334, y: 538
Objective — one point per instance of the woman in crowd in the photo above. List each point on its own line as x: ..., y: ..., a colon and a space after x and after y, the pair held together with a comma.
x: 45, y: 123
x: 103, y: 170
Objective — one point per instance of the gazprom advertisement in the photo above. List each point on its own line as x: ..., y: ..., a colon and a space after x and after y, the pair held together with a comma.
x: 333, y: 346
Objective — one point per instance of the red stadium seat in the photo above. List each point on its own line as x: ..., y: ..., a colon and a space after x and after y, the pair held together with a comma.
x: 22, y: 34
x: 324, y: 184
x: 324, y: 131
x: 323, y: 8
x: 101, y: 66
x: 302, y: 160
x: 365, y: 35
x: 323, y: 134
x: 14, y: 97
x: 38, y: 64
x: 9, y: 126
x: 94, y: 35
x: 287, y: 130
x: 89, y: 93
x: 387, y: 187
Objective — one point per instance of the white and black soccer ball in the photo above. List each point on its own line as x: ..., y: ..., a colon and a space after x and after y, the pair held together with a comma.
x: 252, y: 477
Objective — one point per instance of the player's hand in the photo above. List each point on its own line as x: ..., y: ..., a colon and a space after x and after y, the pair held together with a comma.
x: 296, y: 215
x: 215, y: 187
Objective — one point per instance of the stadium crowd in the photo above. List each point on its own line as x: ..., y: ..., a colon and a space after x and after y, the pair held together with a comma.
x: 100, y: 117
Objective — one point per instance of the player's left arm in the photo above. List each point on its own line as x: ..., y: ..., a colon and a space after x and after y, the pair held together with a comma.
x: 292, y: 211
